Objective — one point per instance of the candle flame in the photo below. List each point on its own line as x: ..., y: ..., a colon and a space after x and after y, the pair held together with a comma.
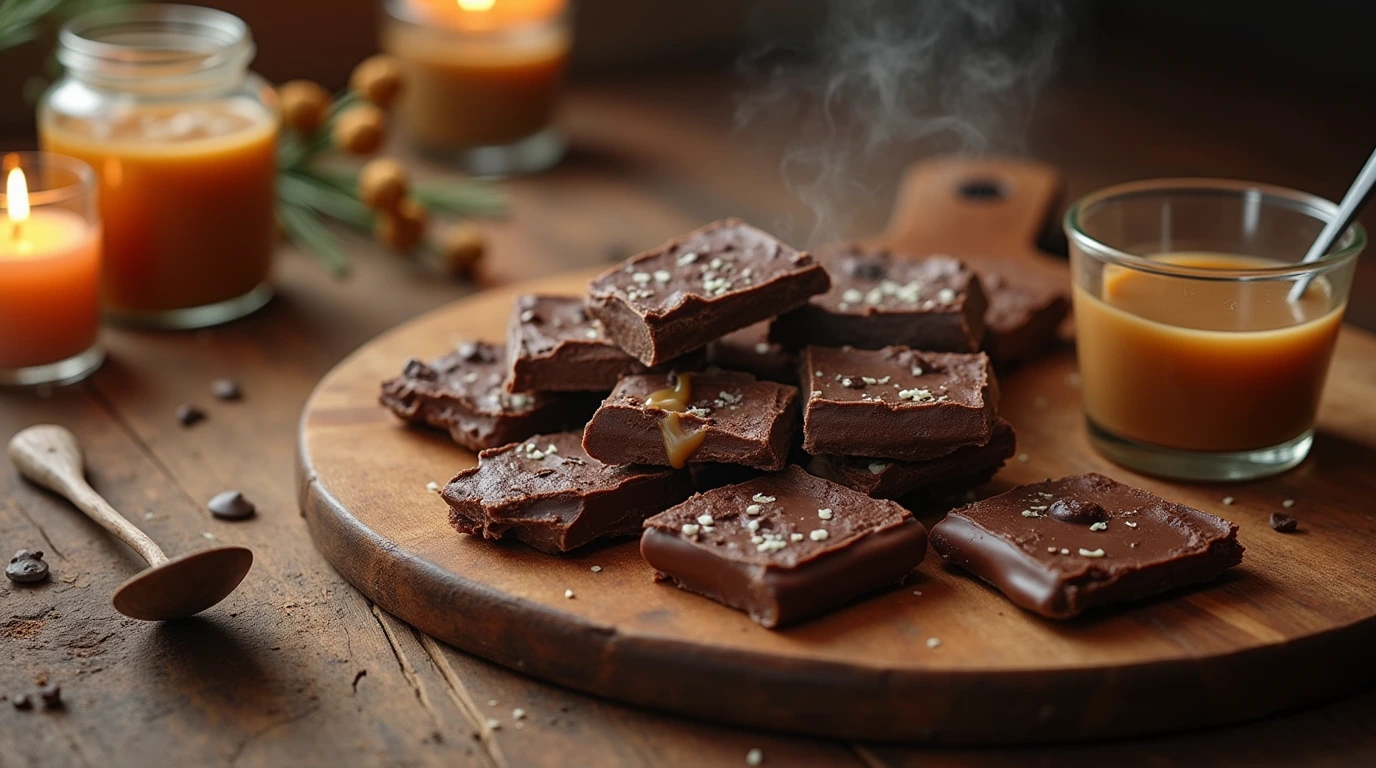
x: 17, y: 195
x: 477, y: 5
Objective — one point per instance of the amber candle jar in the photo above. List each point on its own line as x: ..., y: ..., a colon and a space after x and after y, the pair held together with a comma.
x: 482, y: 79
x: 159, y: 100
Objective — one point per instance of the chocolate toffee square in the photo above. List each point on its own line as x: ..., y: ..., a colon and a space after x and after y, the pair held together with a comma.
x: 879, y: 299
x: 693, y: 290
x: 895, y: 403
x: 784, y: 547
x: 962, y: 469
x: 551, y: 495
x: 463, y: 393
x: 1064, y: 546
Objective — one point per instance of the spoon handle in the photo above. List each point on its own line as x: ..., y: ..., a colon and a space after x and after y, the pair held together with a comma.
x: 50, y: 456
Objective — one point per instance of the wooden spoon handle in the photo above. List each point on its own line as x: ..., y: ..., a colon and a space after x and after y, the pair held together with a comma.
x: 50, y: 456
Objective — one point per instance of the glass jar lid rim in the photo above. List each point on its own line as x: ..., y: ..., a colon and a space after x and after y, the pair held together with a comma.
x: 214, y: 38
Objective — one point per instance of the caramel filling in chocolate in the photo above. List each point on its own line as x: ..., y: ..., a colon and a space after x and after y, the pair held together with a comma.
x: 678, y: 444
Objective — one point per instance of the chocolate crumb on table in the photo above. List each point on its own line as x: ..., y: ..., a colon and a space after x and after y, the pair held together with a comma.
x: 551, y: 495
x: 895, y: 403
x: 1282, y: 523
x: 879, y: 299
x: 1064, y: 546
x: 750, y: 350
x: 714, y: 416
x: 784, y: 547
x: 554, y: 345
x: 962, y: 469
x: 697, y: 288
x: 464, y: 393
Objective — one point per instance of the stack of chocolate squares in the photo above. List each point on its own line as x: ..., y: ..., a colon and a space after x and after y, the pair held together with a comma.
x: 707, y: 355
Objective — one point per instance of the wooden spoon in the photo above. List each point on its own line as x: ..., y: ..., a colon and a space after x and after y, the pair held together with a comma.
x: 171, y: 588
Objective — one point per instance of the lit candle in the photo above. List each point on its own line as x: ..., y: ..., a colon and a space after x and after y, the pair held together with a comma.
x: 482, y: 78
x: 49, y: 271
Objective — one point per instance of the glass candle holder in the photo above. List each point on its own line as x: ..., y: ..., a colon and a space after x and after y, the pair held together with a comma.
x: 482, y: 79
x: 1197, y: 360
x: 159, y: 100
x: 49, y: 270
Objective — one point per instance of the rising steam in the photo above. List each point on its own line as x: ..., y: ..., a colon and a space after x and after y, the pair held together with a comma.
x: 952, y: 75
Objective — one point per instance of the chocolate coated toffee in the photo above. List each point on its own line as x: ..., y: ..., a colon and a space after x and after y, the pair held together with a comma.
x: 714, y: 416
x: 693, y: 290
x: 1022, y: 318
x: 895, y: 403
x: 784, y: 547
x: 551, y: 495
x: 464, y: 393
x: 962, y: 469
x: 1064, y: 546
x: 878, y: 299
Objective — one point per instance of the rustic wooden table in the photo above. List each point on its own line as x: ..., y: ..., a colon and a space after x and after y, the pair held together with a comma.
x: 298, y: 668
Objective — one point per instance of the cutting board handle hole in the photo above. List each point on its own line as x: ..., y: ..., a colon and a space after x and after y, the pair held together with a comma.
x: 981, y: 190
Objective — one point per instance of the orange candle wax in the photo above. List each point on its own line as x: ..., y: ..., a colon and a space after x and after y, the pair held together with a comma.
x: 49, y: 282
x: 187, y: 195
x: 478, y: 72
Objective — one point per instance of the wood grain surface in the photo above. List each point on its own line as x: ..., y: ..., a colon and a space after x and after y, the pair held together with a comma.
x: 1292, y: 625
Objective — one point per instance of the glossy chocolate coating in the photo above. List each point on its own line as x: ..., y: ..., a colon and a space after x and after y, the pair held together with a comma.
x: 878, y: 299
x: 554, y: 345
x: 557, y: 500
x: 784, y: 570
x: 741, y: 420
x: 895, y: 403
x: 1121, y: 544
x: 464, y: 393
x: 695, y: 289
x: 751, y: 351
x: 960, y: 470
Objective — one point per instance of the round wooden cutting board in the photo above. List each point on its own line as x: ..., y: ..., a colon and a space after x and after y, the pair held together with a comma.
x: 1295, y: 623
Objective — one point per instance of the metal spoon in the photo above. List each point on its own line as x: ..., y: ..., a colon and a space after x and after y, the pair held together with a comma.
x: 50, y: 456
x: 1356, y: 198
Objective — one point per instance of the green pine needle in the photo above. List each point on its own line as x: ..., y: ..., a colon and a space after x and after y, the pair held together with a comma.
x: 304, y: 228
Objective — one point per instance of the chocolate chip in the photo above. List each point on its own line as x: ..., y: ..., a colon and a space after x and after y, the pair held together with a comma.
x: 22, y: 701
x: 188, y: 414
x: 862, y: 268
x: 852, y: 382
x: 1078, y: 511
x: 226, y: 389
x: 472, y: 352
x: 231, y: 505
x: 529, y: 316
x: 1283, y: 523
x: 417, y: 369
x: 27, y: 567
x: 51, y: 695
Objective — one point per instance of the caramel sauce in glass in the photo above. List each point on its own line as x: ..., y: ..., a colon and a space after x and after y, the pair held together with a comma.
x: 678, y: 444
x: 1204, y: 365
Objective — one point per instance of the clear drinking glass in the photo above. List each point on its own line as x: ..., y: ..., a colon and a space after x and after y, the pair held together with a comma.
x: 1203, y: 342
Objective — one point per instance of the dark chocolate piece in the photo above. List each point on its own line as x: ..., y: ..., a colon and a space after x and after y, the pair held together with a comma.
x: 784, y: 547
x: 750, y: 350
x: 1283, y: 523
x: 188, y: 414
x: 27, y: 567
x: 1122, y: 544
x: 878, y: 299
x: 463, y: 392
x: 226, y: 389
x: 895, y: 403
x: 717, y: 416
x: 51, y: 696
x: 554, y: 345
x: 551, y: 495
x: 960, y: 470
x: 1023, y: 316
x: 231, y: 505
x: 695, y: 289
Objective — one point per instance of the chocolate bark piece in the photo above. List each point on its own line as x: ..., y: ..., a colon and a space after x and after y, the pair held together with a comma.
x: 879, y: 299
x: 1061, y: 547
x: 1022, y: 318
x: 960, y: 470
x: 895, y: 403
x: 697, y: 288
x: 463, y: 393
x: 784, y: 547
x: 551, y: 495
x: 554, y: 345
x: 720, y: 416
x: 749, y: 349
